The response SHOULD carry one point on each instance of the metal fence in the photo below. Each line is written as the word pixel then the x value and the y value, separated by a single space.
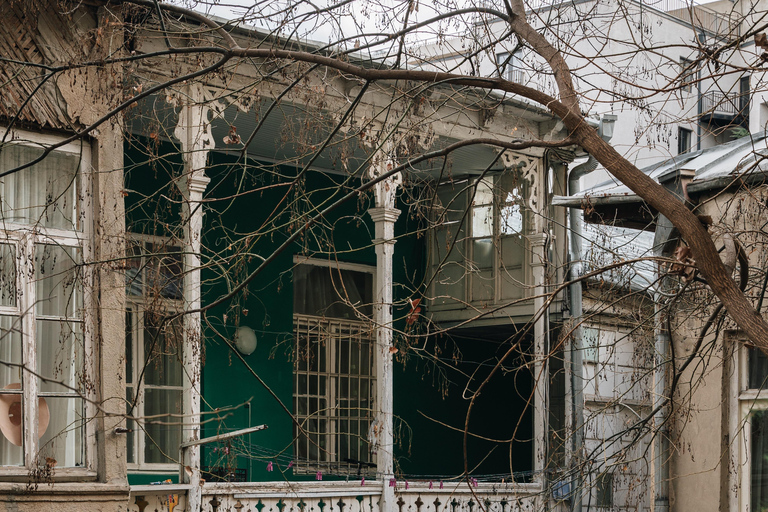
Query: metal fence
pixel 714 102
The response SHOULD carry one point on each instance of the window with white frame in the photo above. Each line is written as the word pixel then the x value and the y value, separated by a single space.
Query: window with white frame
pixel 43 375
pixel 497 238
pixel 478 247
pixel 510 66
pixel 153 352
pixel 334 381
pixel 687 74
pixel 684 137
pixel 754 411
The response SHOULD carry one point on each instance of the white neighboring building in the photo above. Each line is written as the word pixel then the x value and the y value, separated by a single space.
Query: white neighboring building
pixel 602 42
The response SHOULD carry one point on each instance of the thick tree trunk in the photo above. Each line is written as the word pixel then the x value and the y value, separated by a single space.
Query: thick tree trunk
pixel 705 253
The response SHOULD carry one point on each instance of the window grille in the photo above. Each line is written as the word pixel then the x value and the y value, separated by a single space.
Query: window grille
pixel 334 394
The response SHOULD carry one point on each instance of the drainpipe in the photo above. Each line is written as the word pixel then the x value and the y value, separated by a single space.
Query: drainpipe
pixel 577 350
pixel 664 243
pixel 702 39
pixel 577 384
pixel 661 444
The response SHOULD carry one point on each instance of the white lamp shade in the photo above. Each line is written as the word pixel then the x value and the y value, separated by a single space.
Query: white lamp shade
pixel 245 340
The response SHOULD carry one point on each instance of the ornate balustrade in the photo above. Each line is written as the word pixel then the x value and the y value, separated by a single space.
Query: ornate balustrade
pixel 419 496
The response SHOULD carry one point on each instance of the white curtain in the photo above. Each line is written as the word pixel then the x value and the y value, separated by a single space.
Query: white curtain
pixel 41 194
pixel 60 350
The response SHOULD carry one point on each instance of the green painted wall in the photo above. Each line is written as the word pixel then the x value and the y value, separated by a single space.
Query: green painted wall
pixel 227 381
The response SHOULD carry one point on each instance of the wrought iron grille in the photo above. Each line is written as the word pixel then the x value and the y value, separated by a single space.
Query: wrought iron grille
pixel 334 394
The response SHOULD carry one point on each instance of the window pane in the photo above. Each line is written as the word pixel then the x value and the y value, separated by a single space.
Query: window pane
pixel 604 490
pixel 482 221
pixel 330 292
pixel 59 355
pixel 10 350
pixel 162 351
pixel 62 441
pixel 11 445
pixel 482 252
pixel 759 460
pixel 164 431
pixel 758 368
pixel 511 220
pixel 164 277
pixel 590 337
pixel 57 281
pixel 7 275
pixel 44 194
pixel 130 425
pixel 484 192
pixel 511 190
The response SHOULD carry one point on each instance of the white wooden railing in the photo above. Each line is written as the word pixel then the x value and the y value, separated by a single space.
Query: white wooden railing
pixel 357 497
pixel 421 496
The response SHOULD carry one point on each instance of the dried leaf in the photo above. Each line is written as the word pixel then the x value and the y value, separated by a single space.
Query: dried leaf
pixel 761 40
pixel 684 264
pixel 233 137
pixel 414 313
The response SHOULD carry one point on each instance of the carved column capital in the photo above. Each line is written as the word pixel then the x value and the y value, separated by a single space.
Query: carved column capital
pixel 384 191
pixel 538 239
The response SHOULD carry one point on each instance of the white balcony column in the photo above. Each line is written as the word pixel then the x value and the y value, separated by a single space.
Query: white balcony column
pixel 384 216
pixel 538 243
pixel 194 132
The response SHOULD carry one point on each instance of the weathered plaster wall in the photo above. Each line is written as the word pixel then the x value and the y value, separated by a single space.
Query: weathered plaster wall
pixel 710 441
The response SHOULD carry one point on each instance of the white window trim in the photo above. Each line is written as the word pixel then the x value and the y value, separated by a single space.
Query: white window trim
pixel 748 401
pixel 137 306
pixel 497 266
pixel 512 70
pixel 19 234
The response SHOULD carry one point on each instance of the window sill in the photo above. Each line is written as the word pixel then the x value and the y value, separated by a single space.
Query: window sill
pixel 149 469
pixel 753 394
pixel 612 400
pixel 138 490
pixel 21 474
pixel 57 487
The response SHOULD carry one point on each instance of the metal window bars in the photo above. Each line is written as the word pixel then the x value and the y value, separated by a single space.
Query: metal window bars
pixel 334 395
